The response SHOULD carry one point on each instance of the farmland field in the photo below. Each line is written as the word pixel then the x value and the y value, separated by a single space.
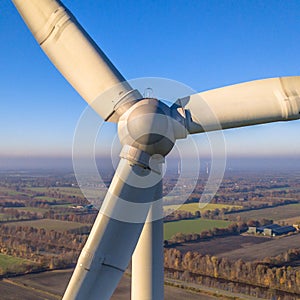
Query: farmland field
pixel 248 248
pixel 32 209
pixel 192 207
pixel 291 221
pixel 271 247
pixel 3 217
pixel 68 191
pixel 274 213
pixel 63 205
pixel 192 226
pixel 49 224
pixel 51 286
pixel 7 262
pixel 41 209
pixel 46 198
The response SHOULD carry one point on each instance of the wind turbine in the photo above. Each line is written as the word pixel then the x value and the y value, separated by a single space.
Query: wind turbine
pixel 148 130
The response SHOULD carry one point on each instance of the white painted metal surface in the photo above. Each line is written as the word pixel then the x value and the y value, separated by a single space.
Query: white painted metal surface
pixel 147 281
pixel 111 242
pixel 249 103
pixel 74 53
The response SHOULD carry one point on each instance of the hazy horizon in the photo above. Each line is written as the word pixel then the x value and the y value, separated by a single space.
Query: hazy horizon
pixel 232 163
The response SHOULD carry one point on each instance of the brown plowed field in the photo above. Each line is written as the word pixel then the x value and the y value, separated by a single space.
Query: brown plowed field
pixel 51 285
pixel 246 247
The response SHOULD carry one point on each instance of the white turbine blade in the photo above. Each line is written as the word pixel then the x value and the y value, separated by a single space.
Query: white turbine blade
pixel 249 103
pixel 112 240
pixel 74 53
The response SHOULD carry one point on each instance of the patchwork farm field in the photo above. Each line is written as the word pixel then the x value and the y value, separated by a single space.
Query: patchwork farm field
pixel 193 207
pixel 4 217
pixel 258 251
pixel 49 224
pixel 46 198
pixel 274 213
pixel 67 191
pixel 51 286
pixel 32 209
pixel 246 247
pixel 13 264
pixel 7 262
pixel 192 226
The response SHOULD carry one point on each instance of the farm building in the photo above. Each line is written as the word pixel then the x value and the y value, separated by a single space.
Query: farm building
pixel 252 229
pixel 272 230
pixel 266 229
pixel 283 230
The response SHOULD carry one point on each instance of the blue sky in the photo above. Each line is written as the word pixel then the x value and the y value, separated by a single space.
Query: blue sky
pixel 204 44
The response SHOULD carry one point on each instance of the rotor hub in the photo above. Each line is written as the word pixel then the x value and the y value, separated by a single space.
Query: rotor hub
pixel 148 126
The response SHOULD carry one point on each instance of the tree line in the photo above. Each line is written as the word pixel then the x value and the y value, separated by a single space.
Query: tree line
pixel 47 248
pixel 195 267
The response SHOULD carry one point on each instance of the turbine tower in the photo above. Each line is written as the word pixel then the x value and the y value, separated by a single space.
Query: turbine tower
pixel 148 130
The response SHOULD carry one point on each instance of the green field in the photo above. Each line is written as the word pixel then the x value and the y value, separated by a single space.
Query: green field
pixel 3 217
pixel 43 210
pixel 273 213
pixel 13 264
pixel 46 198
pixel 192 207
pixel 32 209
pixel 63 205
pixel 7 217
pixel 7 261
pixel 68 191
pixel 49 224
pixel 192 226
